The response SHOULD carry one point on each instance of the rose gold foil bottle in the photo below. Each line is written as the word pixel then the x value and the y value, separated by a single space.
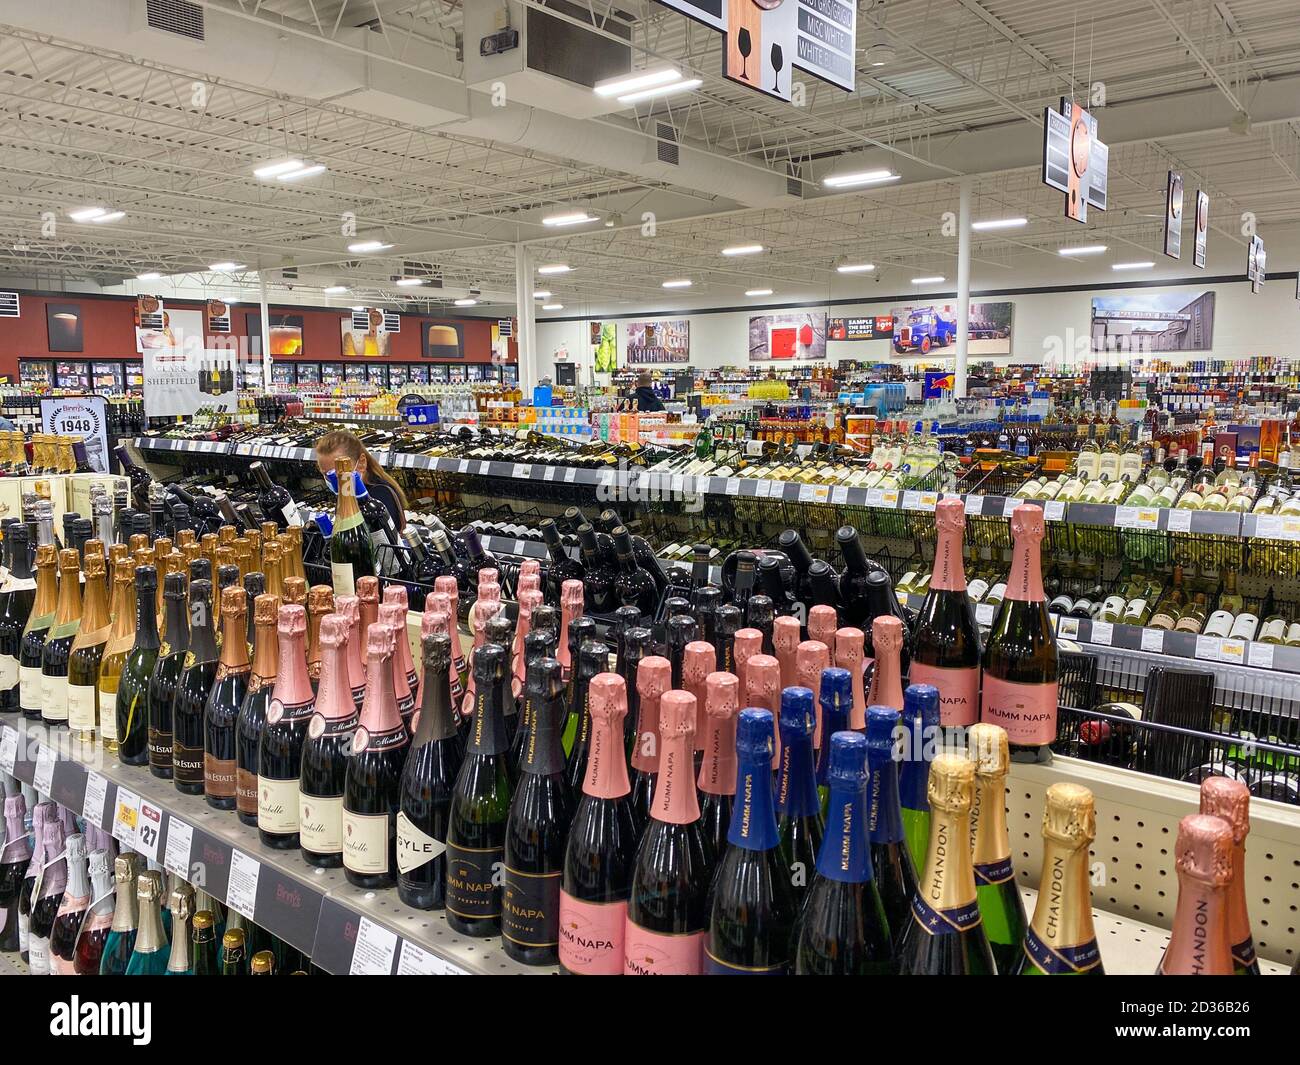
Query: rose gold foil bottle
pixel 395 595
pixel 747 643
pixel 528 599
pixel 849 655
pixel 480 613
pixel 1198 940
pixel 441 603
pixel 698 661
pixel 654 676
pixel 394 616
pixel 717 775
pixel 349 607
pixel 570 610
pixel 368 596
pixel 785 641
pixel 887 677
pixel 812 657
pixel 320 601
pixel 822 623
pixel 1230 800
pixel 763 690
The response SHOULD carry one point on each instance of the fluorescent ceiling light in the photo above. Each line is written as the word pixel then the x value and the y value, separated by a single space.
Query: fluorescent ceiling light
pixel 111 216
pixel 152 275
pixel 368 245
pixel 927 280
pixel 270 170
pixel 305 172
pixel 680 282
pixel 856 268
pixel 225 268
pixel 408 282
pixel 743 249
pixel 860 177
pixel 647 79
pixel 85 214
pixel 542 294
pixel 661 90
pixel 553 307
pixel 554 268
pixel 334 290
pixel 1083 249
pixel 758 292
pixel 574 218
pixel 1131 266
pixel 1000 223
pixel 467 302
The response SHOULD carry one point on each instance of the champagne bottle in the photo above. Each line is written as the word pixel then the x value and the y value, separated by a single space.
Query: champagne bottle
pixel 221 712
pixel 835 690
pixel 946 645
pixel 58 642
pixel 698 661
pixel 812 659
pixel 15 857
pixel 18 599
pixel 799 811
pixel 1001 908
pixel 203 945
pixel 325 750
pixel 395 595
pixel 288 716
pixel 251 721
pixel 887 677
pixel 72 909
pixel 175 643
pixel 667 912
pixel 94 929
pixel 352 554
pixel 320 601
pixel 47 895
pixel 234 953
pixel 394 616
pixel 591 660
pixel 537 826
pixel 198 671
pixel 372 784
pixel 653 679
pixel 120 943
pixel 1019 690
pixel 849 644
pixel 921 722
pixel 37 630
pixel 843 928
pixel 717 775
pixel 1061 940
pixel 1230 800
pixel 132 702
pixel 601 847
pixel 42 812
pixel 180 904
pixel 946 936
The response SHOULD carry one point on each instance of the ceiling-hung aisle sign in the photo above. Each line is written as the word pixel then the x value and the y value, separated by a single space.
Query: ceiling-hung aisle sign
pixel 1074 160
pixel 1202 228
pixel 1174 215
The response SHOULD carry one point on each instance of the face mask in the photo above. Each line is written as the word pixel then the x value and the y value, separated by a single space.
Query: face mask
pixel 332 479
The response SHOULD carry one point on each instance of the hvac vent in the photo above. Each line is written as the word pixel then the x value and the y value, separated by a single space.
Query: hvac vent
pixel 666 144
pixel 289 273
pixel 9 305
pixel 176 16
pixel 794 179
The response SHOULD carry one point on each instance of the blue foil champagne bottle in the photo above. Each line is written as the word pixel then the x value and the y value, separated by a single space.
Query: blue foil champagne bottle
pixel 799 812
pixel 921 719
pixel 890 857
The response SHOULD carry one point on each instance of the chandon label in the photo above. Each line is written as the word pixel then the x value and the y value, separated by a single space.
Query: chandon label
pixel 471 888
pixel 1059 961
pixel 415 847
pixel 320 823
pixel 591 936
pixel 187 764
pixel 530 908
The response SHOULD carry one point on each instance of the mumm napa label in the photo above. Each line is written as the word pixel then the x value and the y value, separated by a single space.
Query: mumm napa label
pixel 472 873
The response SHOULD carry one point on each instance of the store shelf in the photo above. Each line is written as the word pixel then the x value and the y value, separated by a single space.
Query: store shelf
pixel 13 965
pixel 343 929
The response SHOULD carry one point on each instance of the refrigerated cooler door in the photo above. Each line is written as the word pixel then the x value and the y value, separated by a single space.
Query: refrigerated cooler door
pixel 36 373
pixel 107 378
pixel 73 375
pixel 308 373
pixel 282 374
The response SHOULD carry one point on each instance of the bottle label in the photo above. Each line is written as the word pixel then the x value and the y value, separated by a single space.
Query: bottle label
pixel 54 697
pixel 591 936
pixel 1113 604
pixel 320 823
pixel 187 764
pixel 1026 711
pixel 415 847
pixel 81 707
pixel 1061 961
pixel 38 956
pixel 108 714
pixel 219 776
pixel 1134 611
pixel 29 687
pixel 945 922
pixel 976 589
pixel 530 908
pixel 9 673
pixel 365 842
pixel 245 791
pixel 1244 953
pixel 160 748
pixel 471 891
pixel 1274 629
pixel 277 805
pixel 959 691
pixel 341 572
pixel 647 953
pixel 716 967
pixel 1244 627
pixel 998 872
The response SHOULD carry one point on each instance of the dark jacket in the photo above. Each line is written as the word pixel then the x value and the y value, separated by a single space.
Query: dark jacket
pixel 645 399
pixel 385 495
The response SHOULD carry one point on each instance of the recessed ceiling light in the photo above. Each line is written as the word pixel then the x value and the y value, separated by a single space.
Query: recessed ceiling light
pixel 270 170
pixel 85 214
pixel 109 216
pixel 305 172
pixel 1000 223
pixel 542 294
pixel 409 282
pixel 554 268
pixel 935 280
pixel 574 218
pixel 1083 249
pixel 467 302
pixel 647 79
pixel 661 90
pixel 225 268
pixel 856 268
pixel 743 249
pixel 758 292
pixel 334 290
pixel 368 245
pixel 553 307
pixel 1132 266
pixel 151 275
pixel 860 177
pixel 680 282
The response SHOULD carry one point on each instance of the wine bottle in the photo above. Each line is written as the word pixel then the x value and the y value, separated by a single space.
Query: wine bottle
pixel 653 679
pixel 945 643
pixel 119 946
pixel 843 928
pixel 854 599
pixel 599 579
pixel 638 643
pixel 149 958
pixel 500 632
pixel 726 623
pixel 591 660
pixel 352 554
pixel 279 753
pixel 19 598
pixel 58 641
pixel 1230 800
pixel 394 616
pixel 920 723
pixel 537 645
pixel 1001 908
pixel 754 905
pixel 251 720
pixel 667 913
pixel 273 500
pixel 47 895
pixel 882 603
pixel 1061 940
pixel 717 773
pixel 320 601
pixel 198 672
pixel 234 953
pixel 633 586
pixel 372 784
pixel 561 569
pixel 175 643
pixel 945 935
pixel 92 933
pixel 395 595
pixel 325 750
pixel 891 860
pixel 761 615
pixel 42 812
pixel 180 906
pixel 799 810
pixel 221 712
pixel 203 945
pixel 480 805
pixel 132 702
pixel 1019 688
pixel 15 856
pixel 601 846
pixel 785 642
pixel 37 630
pixel 349 606
pixel 835 697
pixel 850 655
pixel 72 909
pixel 886 688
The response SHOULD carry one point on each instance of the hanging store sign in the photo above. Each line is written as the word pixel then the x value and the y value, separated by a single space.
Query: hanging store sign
pixel 83 418
pixel 1202 228
pixel 872 327
pixel 1174 215
pixel 1256 259
pixel 218 313
pixel 149 312
pixel 1074 160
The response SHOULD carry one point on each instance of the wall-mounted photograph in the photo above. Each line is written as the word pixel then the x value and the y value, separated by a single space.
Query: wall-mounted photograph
pixel 63 323
pixel 792 335
pixel 925 327
pixel 1153 321
pixel 659 342
pixel 285 333
pixel 443 340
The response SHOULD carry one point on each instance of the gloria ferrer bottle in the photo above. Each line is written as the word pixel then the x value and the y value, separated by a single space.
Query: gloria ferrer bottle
pixel 920 722
pixel 799 811
pixel 352 554
pixel 1019 688
pixel 198 670
pixel 945 643
pixel 325 751
pixel 1001 908
pixel 221 712
pixel 288 716
pixel 843 929
pixel 1230 800
pixel 891 860
pixel 601 847
pixel 946 936
pixel 1061 941
pixel 58 643
pixel 1198 941
pixel 753 902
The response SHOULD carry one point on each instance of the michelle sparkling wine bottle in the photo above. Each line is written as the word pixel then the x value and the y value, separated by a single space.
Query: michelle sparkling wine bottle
pixel 799 810
pixel 653 680
pixel 1199 941
pixel 945 642
pixel 717 776
pixel 945 936
pixel 753 907
pixel 325 751
pixel 1061 940
pixel 1019 688
pixel 1001 907
pixel 891 859
pixel 920 738
pixel 600 848
pixel 843 929
pixel 288 716
pixel 1230 800
pixel 667 912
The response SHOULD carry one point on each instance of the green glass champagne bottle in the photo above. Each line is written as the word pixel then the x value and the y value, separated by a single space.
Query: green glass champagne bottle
pixel 120 944
pixel 203 945
pixel 1001 907
pixel 132 705
pixel 921 722
pixel 181 905
pixel 149 958
pixel 352 554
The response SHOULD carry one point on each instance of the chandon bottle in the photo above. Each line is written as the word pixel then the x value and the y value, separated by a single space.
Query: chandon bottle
pixel 37 629
pixel 46 896
pixel 717 775
pixel 120 942
pixel 480 806
pixel 288 716
pixel 653 679
pixel 372 786
pixel 253 710
pixel 667 911
pixel 325 751
pixel 1230 799
pixel 15 856
pixel 221 713
pixel 891 860
pixel 1001 908
pixel 920 723
pixel 132 705
pixel 753 908
pixel 198 671
pixel 151 947
pixel 1020 659
pixel 428 779
pixel 945 935
pixel 166 674
pixel 1061 940
pixel 799 811
pixel 352 554
pixel 945 643
pixel 58 642
pixel 601 846
pixel 537 827
pixel 1199 940
pixel 18 599
pixel 93 931
pixel 72 909
pixel 843 929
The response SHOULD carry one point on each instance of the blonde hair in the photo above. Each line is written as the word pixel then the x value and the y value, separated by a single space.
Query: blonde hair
pixel 341 442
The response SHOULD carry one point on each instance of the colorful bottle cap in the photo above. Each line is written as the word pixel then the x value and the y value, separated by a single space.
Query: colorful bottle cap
pixel 848 762
pixel 654 676
pixel 1204 849
pixel 292 620
pixel 754 735
pixel 836 685
pixel 677 714
pixel 607 700
pixel 798 715
pixel 921 701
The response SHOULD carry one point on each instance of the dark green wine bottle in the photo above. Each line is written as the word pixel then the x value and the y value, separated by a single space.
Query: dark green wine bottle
pixel 1001 908
pixel 133 688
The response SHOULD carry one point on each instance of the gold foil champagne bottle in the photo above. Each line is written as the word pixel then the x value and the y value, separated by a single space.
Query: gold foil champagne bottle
pixel 88 647
pixel 1001 908
pixel 121 638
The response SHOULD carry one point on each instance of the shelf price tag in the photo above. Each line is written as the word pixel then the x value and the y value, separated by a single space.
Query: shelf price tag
pixel 813 493
pixel 1102 633
pixel 1054 510
pixel 1277 527
pixel 374 950
pixel 462 466
pixel 974 505
pixel 43 776
pixel 1068 628
pixel 1180 521
pixel 241 890
pixel 550 473
pixel 416 961
pixel 1232 651
pixel 1207 647
pixel 522 470
pixel 911 500
pixel 148 833
pixel 985 613
pixel 1153 640
pixel 126 816
pixel 1137 518
pixel 875 497
pixel 840 494
pixel 92 806
pixel 176 856
pixel 517 548
pixel 732 487
pixel 1261 655
pixel 8 749
pixel 1009 504
pixel 570 474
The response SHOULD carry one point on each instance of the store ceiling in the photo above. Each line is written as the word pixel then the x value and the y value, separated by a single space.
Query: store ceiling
pixel 95 110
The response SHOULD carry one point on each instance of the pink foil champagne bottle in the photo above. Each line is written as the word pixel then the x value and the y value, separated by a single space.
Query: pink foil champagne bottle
pixel 1198 941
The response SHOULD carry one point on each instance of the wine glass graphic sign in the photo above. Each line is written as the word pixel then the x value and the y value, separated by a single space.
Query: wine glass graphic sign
pixel 745 45
pixel 778 61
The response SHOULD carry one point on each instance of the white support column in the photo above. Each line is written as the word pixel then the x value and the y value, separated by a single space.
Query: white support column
pixel 526 316
pixel 265 316
pixel 963 289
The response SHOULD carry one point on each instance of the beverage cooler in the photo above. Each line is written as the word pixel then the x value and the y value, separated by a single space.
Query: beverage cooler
pixel 354 372
pixel 282 374
pixel 36 374
pixel 331 374
pixel 309 373
pixel 377 374
pixel 107 378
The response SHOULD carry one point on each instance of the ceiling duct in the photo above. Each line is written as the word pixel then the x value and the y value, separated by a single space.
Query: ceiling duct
pixel 176 16
pixel 666 147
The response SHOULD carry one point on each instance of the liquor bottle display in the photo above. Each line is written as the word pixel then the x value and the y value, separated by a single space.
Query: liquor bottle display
pixel 221 712
pixel 1001 908
pixel 58 642
pixel 16 604
pixel 175 644
pixel 198 672
pixel 325 750
pixel 36 631
pixel 288 715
